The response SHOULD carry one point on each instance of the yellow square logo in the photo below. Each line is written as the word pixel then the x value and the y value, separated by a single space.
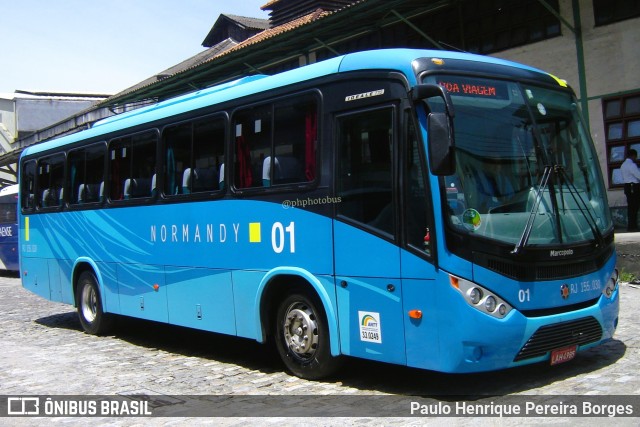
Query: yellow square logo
pixel 254 232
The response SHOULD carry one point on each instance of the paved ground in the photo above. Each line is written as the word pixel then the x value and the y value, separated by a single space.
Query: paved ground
pixel 628 248
pixel 44 351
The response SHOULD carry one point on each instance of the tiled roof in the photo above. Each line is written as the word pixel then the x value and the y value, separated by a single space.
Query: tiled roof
pixel 192 62
pixel 272 32
pixel 255 23
pixel 269 4
pixel 224 48
pixel 210 56
pixel 245 24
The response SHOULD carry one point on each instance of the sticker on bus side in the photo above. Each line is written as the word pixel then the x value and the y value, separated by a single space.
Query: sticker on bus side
pixel 370 326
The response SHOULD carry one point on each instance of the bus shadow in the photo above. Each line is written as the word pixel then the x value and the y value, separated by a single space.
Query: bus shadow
pixel 416 382
pixel 10 274
pixel 247 353
pixel 180 340
pixel 61 321
pixel 356 373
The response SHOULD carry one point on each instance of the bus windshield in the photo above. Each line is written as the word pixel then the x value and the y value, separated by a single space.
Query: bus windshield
pixel 526 170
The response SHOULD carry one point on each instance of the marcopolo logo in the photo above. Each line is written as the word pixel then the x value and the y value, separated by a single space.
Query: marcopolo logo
pixel 563 252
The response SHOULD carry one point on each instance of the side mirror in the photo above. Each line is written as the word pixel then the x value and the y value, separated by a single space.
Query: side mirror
pixel 422 92
pixel 440 135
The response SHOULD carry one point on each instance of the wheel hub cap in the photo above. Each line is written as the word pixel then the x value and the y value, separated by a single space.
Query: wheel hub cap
pixel 301 330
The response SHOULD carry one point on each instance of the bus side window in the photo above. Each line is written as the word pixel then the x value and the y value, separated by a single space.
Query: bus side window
pixel 50 181
pixel 86 175
pixel 295 142
pixel 252 132
pixel 194 155
pixel 276 144
pixel 119 167
pixel 177 156
pixel 133 166
pixel 416 202
pixel 8 212
pixel 365 168
pixel 28 185
pixel 208 154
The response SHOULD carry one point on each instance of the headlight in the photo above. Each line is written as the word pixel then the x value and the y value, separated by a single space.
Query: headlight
pixel 612 284
pixel 475 295
pixel 490 304
pixel 480 298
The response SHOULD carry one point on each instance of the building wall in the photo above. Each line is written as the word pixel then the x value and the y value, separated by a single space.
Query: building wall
pixel 36 114
pixel 7 115
pixel 26 116
pixel 611 64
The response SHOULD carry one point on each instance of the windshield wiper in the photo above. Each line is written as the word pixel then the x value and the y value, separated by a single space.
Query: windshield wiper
pixel 582 206
pixel 526 233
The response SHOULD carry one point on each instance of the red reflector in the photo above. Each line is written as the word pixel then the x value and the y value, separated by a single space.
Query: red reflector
pixel 415 314
pixel 156 287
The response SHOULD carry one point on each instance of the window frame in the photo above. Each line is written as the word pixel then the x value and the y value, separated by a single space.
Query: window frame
pixel 32 205
pixel 394 108
pixel 619 145
pixel 39 190
pixel 410 125
pixel 606 12
pixel 313 96
pixel 102 145
pixel 221 116
pixel 109 171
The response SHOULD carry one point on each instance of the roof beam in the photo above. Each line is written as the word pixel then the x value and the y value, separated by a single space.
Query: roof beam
pixel 557 15
pixel 251 67
pixel 326 46
pixel 416 29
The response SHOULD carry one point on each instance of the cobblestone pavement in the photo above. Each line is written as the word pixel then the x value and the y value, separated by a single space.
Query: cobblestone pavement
pixel 628 251
pixel 44 352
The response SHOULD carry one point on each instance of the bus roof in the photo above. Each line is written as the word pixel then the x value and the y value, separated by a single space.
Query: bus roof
pixel 12 189
pixel 384 59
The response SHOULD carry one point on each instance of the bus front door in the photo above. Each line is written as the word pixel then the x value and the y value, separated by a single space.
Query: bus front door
pixel 369 293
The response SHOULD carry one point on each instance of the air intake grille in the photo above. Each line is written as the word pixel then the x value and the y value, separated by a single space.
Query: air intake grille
pixel 541 272
pixel 534 269
pixel 551 337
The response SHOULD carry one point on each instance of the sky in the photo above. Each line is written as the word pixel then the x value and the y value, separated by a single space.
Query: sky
pixel 102 46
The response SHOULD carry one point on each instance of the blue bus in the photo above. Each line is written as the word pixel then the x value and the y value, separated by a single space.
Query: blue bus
pixel 9 228
pixel 438 210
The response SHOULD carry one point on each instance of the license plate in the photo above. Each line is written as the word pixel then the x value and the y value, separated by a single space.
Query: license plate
pixel 562 355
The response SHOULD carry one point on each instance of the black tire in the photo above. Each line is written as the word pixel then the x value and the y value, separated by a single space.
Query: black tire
pixel 302 337
pixel 93 319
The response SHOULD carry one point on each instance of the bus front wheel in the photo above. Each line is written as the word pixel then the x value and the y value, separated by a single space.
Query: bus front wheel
pixel 93 319
pixel 302 337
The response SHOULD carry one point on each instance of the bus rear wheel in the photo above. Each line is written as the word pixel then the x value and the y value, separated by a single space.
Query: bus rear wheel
pixel 93 319
pixel 302 337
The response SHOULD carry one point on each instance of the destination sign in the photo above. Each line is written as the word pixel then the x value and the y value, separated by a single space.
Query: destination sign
pixel 462 86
